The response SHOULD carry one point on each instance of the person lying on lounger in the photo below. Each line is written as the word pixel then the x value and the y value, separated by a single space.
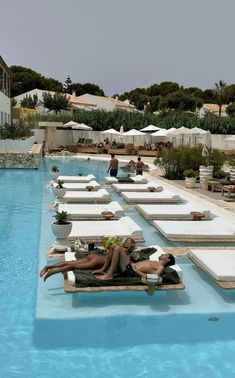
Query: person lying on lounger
pixel 92 261
pixel 118 259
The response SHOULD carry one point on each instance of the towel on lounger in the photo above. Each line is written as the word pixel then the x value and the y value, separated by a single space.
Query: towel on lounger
pixel 125 179
pixel 87 279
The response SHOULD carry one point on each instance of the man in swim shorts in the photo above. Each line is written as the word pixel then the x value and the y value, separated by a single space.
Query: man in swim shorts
pixel 118 258
pixel 113 166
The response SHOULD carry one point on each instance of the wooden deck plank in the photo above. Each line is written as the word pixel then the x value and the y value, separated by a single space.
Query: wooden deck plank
pixel 73 289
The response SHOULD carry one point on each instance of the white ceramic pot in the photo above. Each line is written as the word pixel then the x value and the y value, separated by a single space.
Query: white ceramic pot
pixel 61 231
pixel 59 192
pixel 232 173
pixel 190 182
pixel 54 175
pixel 205 174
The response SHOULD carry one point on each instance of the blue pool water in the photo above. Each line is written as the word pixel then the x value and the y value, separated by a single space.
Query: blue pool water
pixel 47 333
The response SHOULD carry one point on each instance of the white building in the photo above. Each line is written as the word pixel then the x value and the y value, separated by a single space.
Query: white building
pixel 212 108
pixel 108 103
pixel 5 101
pixel 74 102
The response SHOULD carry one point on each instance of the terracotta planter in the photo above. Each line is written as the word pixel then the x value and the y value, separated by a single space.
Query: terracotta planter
pixel 61 231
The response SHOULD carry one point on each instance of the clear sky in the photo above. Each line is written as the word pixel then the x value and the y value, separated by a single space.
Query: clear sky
pixel 124 44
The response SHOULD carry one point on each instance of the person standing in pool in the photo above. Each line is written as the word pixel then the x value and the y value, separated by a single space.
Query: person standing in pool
pixel 139 166
pixel 113 166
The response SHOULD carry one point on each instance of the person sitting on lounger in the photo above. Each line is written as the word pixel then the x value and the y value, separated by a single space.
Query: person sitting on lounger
pixel 118 259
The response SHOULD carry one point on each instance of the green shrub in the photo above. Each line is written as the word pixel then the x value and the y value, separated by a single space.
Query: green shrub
pixel 174 161
pixel 190 173
pixel 219 173
pixel 15 131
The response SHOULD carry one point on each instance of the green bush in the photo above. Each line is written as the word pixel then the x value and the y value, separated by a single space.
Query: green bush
pixel 190 173
pixel 219 173
pixel 174 161
pixel 15 131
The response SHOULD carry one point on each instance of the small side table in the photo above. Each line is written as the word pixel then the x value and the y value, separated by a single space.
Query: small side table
pixel 230 189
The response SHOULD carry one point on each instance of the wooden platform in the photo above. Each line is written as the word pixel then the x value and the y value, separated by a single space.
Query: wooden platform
pixel 68 288
pixel 228 285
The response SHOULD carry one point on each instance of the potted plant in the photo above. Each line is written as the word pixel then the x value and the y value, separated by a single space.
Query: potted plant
pixel 55 172
pixel 62 226
pixel 58 190
pixel 190 178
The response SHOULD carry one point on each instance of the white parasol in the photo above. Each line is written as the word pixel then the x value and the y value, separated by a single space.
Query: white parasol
pixel 150 129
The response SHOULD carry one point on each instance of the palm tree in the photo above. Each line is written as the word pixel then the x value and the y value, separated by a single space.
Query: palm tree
pixel 221 94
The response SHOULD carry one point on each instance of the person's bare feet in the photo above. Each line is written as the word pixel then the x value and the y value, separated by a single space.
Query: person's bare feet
pixel 105 277
pixel 48 274
pixel 43 271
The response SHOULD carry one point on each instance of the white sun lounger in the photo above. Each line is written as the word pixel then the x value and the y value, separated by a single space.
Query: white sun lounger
pixel 98 196
pixel 137 187
pixel 92 211
pixel 139 179
pixel 79 185
pixel 87 178
pixel 218 264
pixel 95 230
pixel 165 196
pixel 174 212
pixel 215 230
pixel 70 256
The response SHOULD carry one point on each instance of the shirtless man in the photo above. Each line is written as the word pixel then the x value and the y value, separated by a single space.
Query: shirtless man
pixel 139 166
pixel 117 258
pixel 92 261
pixel 113 166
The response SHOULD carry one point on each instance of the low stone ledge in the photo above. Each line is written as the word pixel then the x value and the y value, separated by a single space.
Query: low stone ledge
pixel 26 160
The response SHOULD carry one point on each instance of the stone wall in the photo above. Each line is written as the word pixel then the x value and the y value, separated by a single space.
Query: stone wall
pixel 30 160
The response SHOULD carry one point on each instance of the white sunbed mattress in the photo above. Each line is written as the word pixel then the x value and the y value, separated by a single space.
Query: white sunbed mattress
pixel 165 196
pixel 101 196
pixel 79 185
pixel 126 187
pixel 89 211
pixel 87 178
pixel 139 179
pixel 218 263
pixel 96 230
pixel 70 256
pixel 179 211
pixel 211 230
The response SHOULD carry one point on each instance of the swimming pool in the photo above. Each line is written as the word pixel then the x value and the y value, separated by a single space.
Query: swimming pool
pixel 122 334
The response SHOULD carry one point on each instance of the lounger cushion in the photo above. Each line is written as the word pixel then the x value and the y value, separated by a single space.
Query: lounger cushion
pixel 151 197
pixel 69 256
pixel 87 178
pixel 96 230
pixel 92 210
pixel 84 196
pixel 217 228
pixel 219 263
pixel 137 187
pixel 79 185
pixel 135 179
pixel 171 211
